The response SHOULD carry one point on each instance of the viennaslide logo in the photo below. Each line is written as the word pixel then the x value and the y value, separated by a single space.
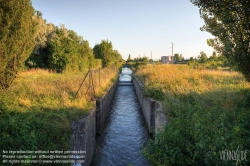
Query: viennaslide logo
pixel 234 155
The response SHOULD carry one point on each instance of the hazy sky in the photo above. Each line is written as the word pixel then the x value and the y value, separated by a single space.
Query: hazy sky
pixel 134 27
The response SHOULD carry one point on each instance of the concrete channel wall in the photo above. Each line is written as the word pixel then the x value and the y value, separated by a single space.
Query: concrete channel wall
pixel 84 130
pixel 103 107
pixel 151 109
pixel 83 137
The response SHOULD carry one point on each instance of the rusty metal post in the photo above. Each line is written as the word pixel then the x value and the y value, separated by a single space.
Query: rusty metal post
pixel 90 88
pixel 81 84
pixel 99 77
pixel 105 72
pixel 93 86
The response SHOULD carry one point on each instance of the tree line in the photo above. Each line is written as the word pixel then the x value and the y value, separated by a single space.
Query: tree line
pixel 212 62
pixel 28 41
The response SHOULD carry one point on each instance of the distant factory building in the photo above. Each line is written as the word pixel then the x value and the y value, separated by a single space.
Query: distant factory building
pixel 168 59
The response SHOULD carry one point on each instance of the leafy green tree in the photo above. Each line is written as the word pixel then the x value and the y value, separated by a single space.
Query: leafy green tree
pixel 70 45
pixel 202 58
pixel 117 56
pixel 137 62
pixel 87 59
pixel 178 57
pixel 60 49
pixel 57 59
pixel 97 51
pixel 144 60
pixel 17 33
pixel 229 21
pixel 39 56
pixel 104 51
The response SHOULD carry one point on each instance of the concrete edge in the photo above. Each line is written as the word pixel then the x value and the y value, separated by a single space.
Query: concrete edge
pixel 103 106
pixel 84 130
pixel 83 138
pixel 151 109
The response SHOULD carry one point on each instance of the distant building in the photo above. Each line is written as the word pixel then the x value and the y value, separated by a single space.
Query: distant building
pixel 168 59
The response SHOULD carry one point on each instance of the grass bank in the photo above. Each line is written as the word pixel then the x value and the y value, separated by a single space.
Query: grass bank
pixel 208 112
pixel 37 110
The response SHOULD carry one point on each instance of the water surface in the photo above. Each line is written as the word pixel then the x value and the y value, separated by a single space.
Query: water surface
pixel 125 133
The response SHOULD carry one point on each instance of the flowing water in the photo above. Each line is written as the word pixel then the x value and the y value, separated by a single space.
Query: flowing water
pixel 125 133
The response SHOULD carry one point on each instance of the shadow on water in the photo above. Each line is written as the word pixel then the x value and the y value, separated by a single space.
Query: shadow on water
pixel 125 132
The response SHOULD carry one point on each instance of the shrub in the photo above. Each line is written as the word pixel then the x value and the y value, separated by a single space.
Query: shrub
pixel 207 112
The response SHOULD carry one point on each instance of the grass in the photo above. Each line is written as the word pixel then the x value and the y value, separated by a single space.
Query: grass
pixel 208 111
pixel 37 110
pixel 182 79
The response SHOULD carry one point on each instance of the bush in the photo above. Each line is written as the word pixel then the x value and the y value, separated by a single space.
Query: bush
pixel 207 112
pixel 197 132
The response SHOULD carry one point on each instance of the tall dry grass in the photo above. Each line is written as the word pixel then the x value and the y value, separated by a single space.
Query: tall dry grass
pixel 41 88
pixel 37 110
pixel 184 79
pixel 207 111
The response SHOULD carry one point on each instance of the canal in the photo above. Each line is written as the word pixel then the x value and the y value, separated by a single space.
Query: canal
pixel 125 132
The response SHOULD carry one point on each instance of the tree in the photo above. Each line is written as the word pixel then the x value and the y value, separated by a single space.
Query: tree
pixel 213 57
pixel 202 57
pixel 229 21
pixel 117 56
pixel 104 51
pixel 86 56
pixel 60 49
pixel 39 56
pixel 58 58
pixel 144 60
pixel 129 59
pixel 178 57
pixel 17 32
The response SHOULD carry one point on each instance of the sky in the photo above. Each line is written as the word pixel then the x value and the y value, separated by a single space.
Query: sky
pixel 135 27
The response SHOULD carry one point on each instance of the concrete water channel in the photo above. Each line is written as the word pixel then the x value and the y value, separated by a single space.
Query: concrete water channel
pixel 125 132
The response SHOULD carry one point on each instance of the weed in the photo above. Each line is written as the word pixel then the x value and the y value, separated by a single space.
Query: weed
pixel 208 111
pixel 37 110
